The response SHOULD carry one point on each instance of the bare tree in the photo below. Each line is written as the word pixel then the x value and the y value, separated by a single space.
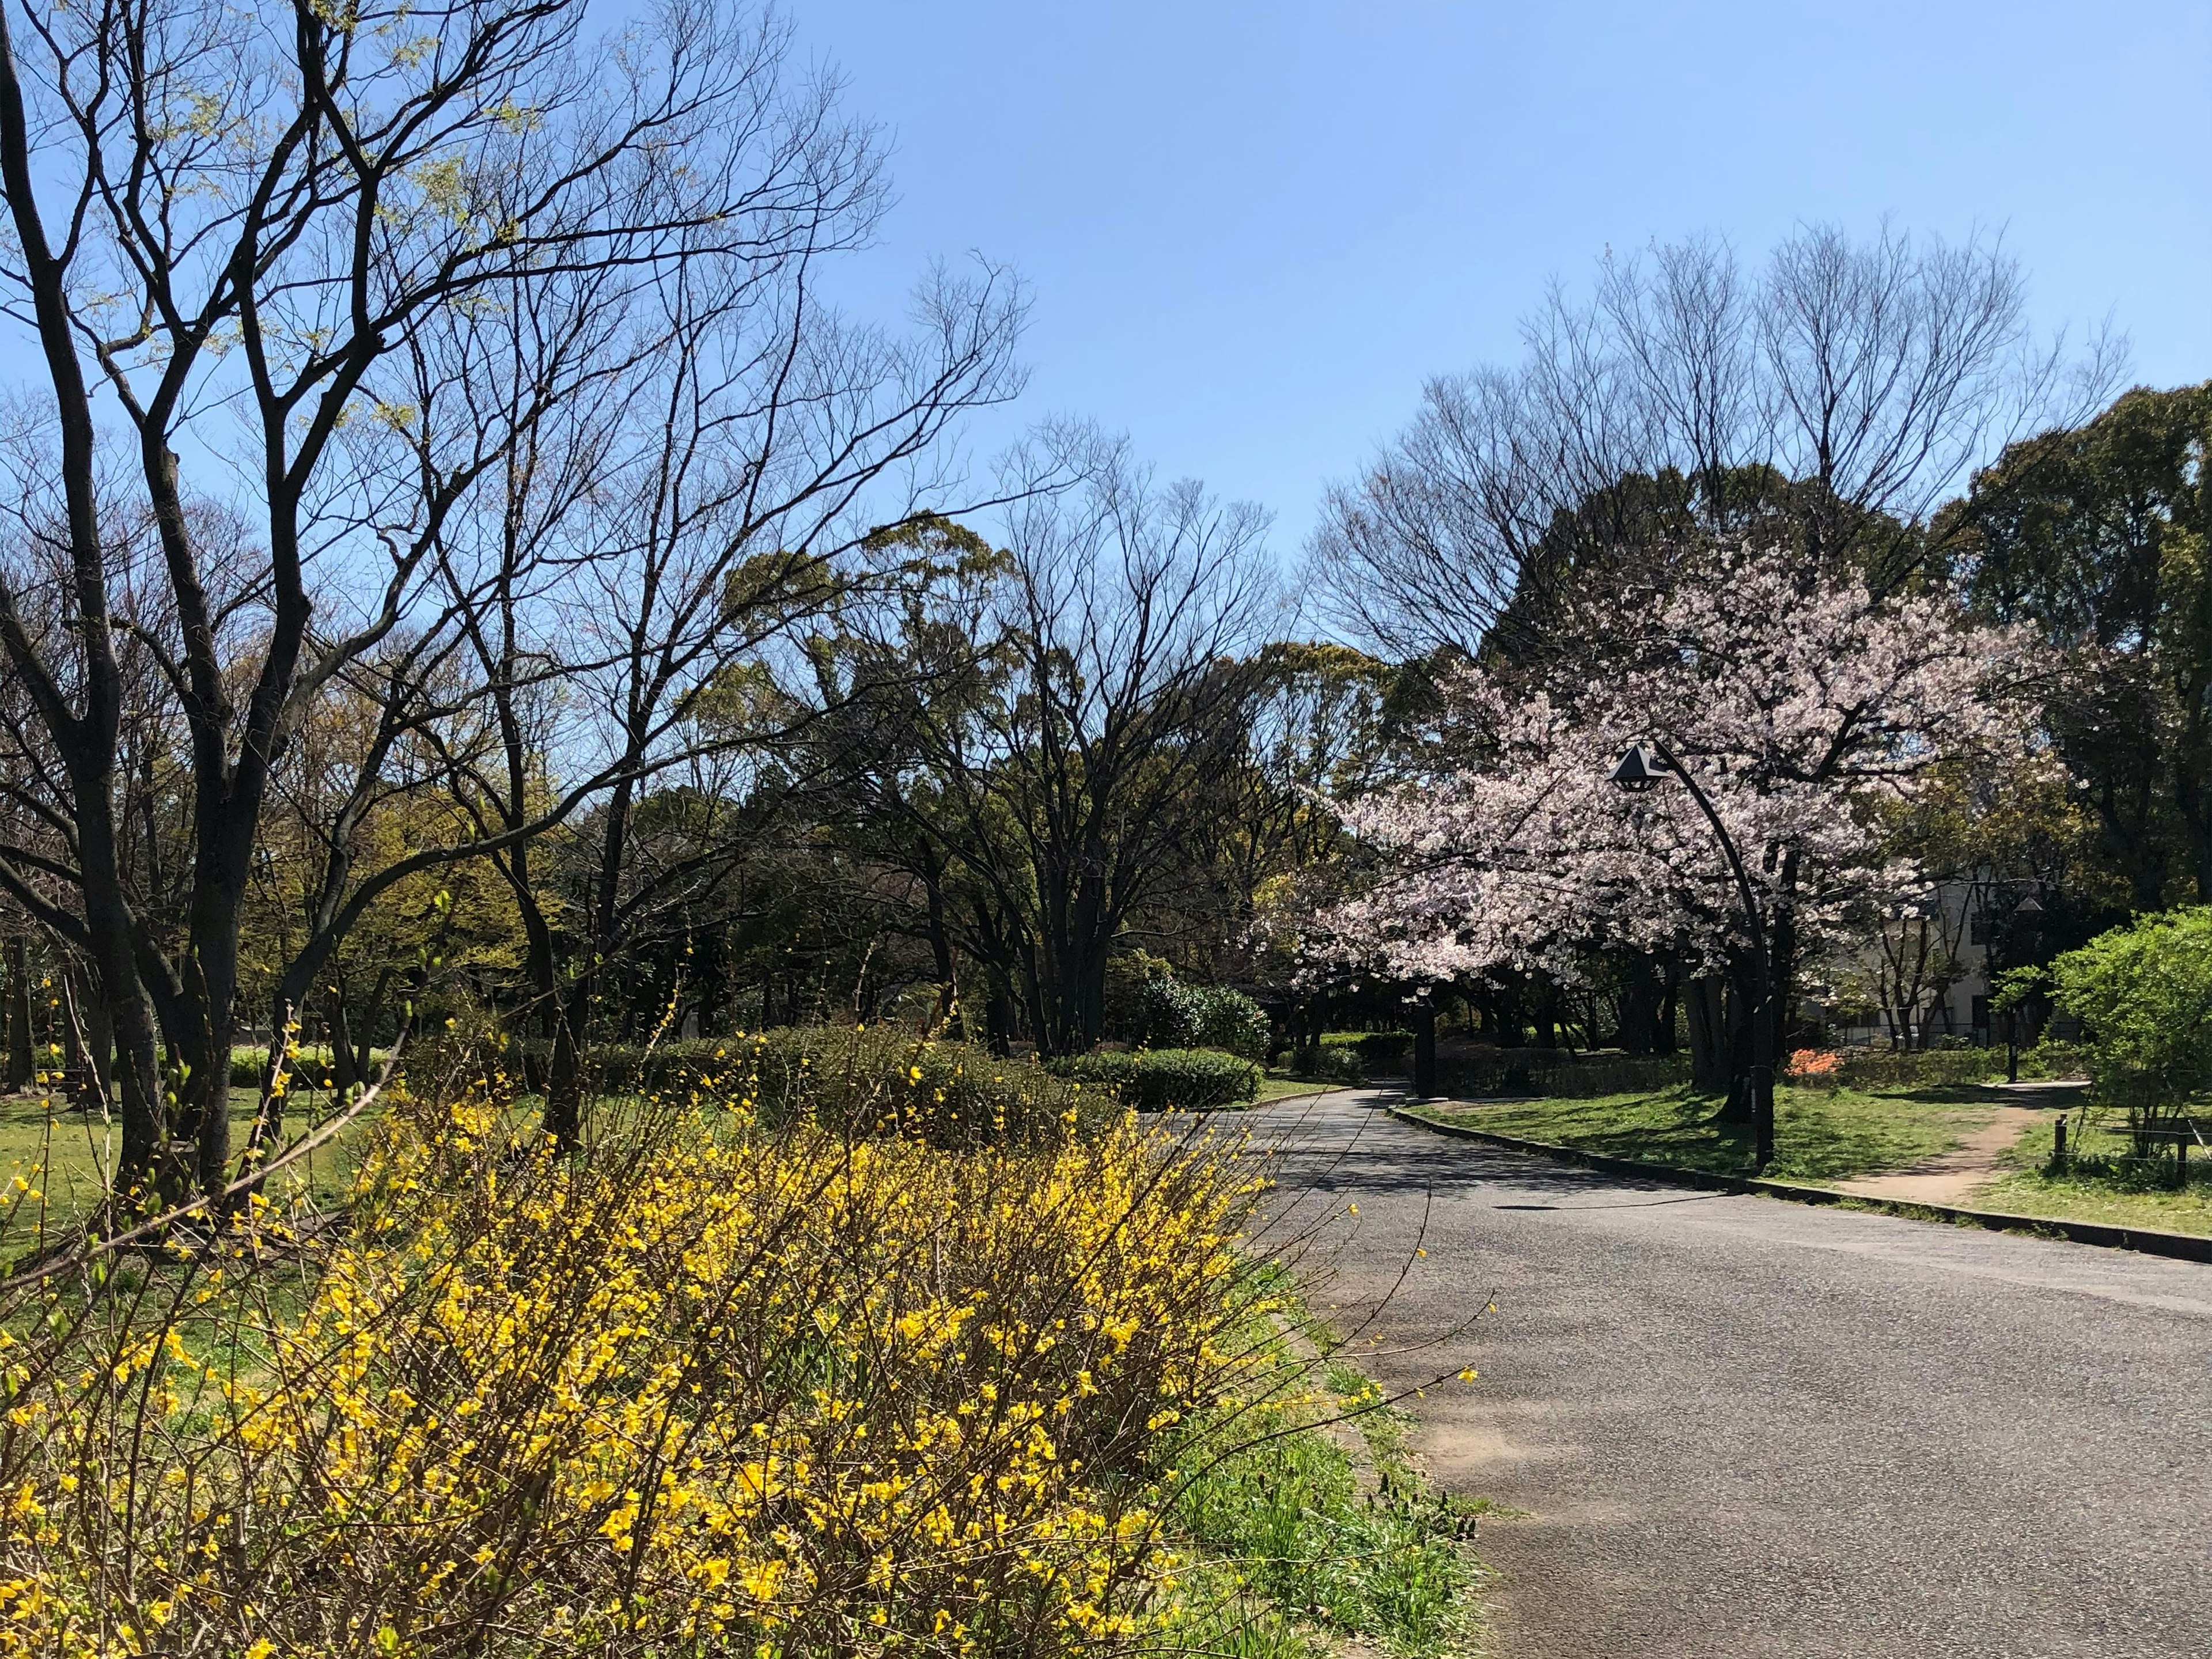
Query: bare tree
pixel 1849 386
pixel 1043 744
pixel 278 254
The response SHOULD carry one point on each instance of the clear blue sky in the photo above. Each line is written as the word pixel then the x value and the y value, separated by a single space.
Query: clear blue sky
pixel 1252 230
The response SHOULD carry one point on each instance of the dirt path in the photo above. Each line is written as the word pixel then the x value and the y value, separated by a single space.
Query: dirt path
pixel 1953 1177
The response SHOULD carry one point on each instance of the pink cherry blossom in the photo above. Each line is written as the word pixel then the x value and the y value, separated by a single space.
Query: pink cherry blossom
pixel 1795 701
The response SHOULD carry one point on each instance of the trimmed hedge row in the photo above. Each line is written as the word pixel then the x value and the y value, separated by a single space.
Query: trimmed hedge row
pixel 881 1078
pixel 1327 1062
pixel 1927 1068
pixel 1166 1079
pixel 1545 1072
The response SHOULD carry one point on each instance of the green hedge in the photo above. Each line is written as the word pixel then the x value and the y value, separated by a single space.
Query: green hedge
pixel 1554 1074
pixel 881 1078
pixel 1175 1013
pixel 1166 1079
pixel 249 1064
pixel 1327 1062
pixel 1927 1068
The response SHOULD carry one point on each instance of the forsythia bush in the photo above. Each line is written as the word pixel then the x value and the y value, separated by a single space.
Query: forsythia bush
pixel 708 1389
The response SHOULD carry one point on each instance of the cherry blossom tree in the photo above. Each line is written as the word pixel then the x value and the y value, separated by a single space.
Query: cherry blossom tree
pixel 1789 703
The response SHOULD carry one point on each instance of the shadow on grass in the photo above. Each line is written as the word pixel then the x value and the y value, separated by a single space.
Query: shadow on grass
pixel 1820 1134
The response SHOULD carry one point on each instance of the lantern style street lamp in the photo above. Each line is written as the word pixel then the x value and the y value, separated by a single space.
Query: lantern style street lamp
pixel 1639 772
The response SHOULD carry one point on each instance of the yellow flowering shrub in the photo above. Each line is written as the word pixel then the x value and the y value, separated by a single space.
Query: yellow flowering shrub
pixel 707 1389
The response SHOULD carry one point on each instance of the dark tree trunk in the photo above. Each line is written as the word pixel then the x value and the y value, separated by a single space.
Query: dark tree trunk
pixel 1743 1009
pixel 1640 1002
pixel 564 1087
pixel 1706 1002
pixel 999 1019
pixel 1547 1017
pixel 1424 1051
pixel 99 1033
pixel 946 1016
pixel 22 1063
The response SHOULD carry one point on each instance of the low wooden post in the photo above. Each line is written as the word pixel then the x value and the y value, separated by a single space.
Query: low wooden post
pixel 2058 1143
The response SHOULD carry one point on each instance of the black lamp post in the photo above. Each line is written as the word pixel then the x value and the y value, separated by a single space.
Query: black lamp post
pixel 1638 773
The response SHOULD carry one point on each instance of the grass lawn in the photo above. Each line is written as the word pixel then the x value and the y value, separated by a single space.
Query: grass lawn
pixel 71 1153
pixel 2100 1186
pixel 1318 1537
pixel 1276 1088
pixel 1819 1134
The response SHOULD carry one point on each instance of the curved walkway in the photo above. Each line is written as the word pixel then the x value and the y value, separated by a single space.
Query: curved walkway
pixel 1736 1426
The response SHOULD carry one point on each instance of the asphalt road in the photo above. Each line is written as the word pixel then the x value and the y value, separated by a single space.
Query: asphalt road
pixel 1741 1426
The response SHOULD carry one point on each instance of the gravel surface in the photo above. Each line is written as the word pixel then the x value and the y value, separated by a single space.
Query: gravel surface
pixel 1740 1426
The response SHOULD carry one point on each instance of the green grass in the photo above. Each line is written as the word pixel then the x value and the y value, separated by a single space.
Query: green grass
pixel 64 1154
pixel 1311 1556
pixel 1819 1134
pixel 1300 1545
pixel 2103 1184
pixel 1275 1087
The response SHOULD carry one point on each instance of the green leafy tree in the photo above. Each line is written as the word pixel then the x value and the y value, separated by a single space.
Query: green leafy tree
pixel 2097 536
pixel 2143 994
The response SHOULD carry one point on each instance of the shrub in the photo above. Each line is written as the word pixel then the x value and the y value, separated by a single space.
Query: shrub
pixel 1926 1068
pixel 1813 1068
pixel 1555 1074
pixel 859 1079
pixel 2143 994
pixel 1327 1063
pixel 2053 1059
pixel 1176 1013
pixel 310 1068
pixel 1383 1051
pixel 708 1389
pixel 1166 1079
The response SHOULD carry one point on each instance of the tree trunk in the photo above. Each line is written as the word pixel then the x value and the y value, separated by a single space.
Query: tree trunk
pixel 22 1063
pixel 946 1016
pixel 1708 1025
pixel 342 1075
pixel 1743 1004
pixel 564 1085
pixel 998 1018
pixel 1639 1008
pixel 1424 1051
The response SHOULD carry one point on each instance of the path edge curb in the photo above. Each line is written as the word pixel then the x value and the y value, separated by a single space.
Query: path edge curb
pixel 2148 1241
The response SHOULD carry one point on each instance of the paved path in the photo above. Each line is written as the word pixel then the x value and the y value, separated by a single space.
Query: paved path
pixel 1740 1426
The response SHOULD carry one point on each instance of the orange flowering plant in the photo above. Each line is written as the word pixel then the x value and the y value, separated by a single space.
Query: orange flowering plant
pixel 1807 1064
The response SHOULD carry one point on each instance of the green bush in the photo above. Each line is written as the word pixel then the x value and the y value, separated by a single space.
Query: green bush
pixel 2143 994
pixel 314 1064
pixel 1327 1062
pixel 1166 1079
pixel 1554 1074
pixel 1383 1051
pixel 1175 1013
pixel 1928 1068
pixel 864 1080
pixel 2052 1058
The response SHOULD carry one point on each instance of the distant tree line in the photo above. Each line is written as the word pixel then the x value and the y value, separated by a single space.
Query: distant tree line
pixel 459 566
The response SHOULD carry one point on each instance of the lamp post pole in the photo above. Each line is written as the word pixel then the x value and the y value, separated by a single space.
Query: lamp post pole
pixel 1638 773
